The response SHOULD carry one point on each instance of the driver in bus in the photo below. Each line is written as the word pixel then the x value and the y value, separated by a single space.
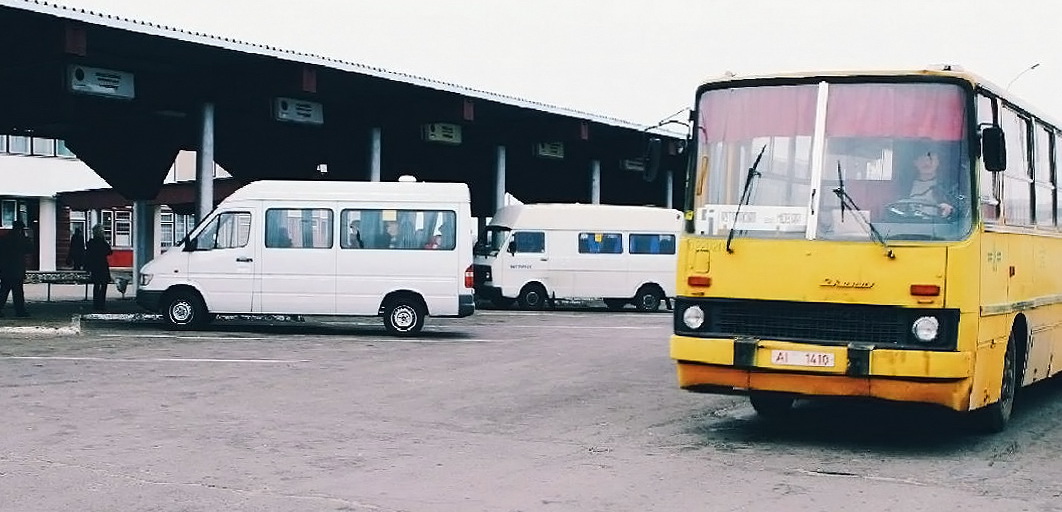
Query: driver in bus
pixel 928 196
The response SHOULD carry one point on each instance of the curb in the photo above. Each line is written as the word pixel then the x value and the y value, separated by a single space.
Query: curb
pixel 73 329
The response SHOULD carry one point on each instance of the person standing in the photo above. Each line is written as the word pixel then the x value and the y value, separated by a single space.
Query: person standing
pixel 96 251
pixel 75 257
pixel 13 250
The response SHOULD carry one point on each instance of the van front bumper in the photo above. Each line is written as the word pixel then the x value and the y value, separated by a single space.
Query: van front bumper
pixel 742 365
pixel 466 305
pixel 149 299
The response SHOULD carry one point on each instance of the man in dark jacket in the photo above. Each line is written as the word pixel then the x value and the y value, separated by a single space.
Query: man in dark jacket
pixel 13 250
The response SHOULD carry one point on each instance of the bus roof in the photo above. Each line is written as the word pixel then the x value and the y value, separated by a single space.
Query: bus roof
pixel 289 190
pixel 579 216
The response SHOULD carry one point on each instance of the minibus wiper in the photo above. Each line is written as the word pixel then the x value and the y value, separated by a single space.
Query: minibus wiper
pixel 849 203
pixel 745 195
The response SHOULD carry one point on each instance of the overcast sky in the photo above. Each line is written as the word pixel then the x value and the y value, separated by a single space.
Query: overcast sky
pixel 639 60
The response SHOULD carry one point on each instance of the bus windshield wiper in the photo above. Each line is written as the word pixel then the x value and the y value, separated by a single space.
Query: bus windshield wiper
pixel 745 195
pixel 848 203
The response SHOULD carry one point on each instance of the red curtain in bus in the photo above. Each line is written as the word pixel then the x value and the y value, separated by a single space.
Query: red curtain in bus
pixel 932 111
pixel 740 114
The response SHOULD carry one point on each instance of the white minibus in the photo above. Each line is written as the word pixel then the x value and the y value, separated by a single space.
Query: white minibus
pixel 534 254
pixel 402 250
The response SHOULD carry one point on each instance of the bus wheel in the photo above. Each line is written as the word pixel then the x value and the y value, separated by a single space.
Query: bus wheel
pixel 770 404
pixel 648 298
pixel 404 316
pixel 184 310
pixel 533 297
pixel 993 418
pixel 615 304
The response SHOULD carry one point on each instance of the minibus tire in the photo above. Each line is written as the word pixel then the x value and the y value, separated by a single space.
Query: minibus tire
pixel 648 299
pixel 533 297
pixel 993 418
pixel 772 405
pixel 184 310
pixel 404 316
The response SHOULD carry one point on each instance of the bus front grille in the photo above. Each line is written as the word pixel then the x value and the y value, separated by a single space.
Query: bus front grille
pixel 814 322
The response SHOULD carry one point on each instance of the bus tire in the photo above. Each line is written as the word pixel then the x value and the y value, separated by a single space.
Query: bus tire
pixel 993 418
pixel 615 304
pixel 648 298
pixel 533 297
pixel 404 316
pixel 184 309
pixel 771 404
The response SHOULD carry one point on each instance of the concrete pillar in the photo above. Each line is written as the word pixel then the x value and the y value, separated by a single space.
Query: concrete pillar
pixel 204 165
pixel 375 150
pixel 499 178
pixel 595 181
pixel 143 239
pixel 47 218
pixel 669 188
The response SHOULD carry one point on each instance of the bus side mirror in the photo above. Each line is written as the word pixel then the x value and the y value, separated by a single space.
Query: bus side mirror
pixel 652 158
pixel 993 148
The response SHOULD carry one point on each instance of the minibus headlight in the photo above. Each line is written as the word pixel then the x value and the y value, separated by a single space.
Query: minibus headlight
pixel 693 317
pixel 145 279
pixel 925 328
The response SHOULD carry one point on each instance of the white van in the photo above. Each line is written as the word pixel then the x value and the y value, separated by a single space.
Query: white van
pixel 402 250
pixel 535 253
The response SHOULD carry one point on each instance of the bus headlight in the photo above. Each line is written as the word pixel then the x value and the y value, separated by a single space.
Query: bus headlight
pixel 925 328
pixel 145 279
pixel 693 317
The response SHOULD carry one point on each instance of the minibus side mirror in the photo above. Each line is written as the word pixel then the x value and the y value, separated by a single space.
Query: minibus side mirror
pixel 993 148
pixel 511 248
pixel 190 244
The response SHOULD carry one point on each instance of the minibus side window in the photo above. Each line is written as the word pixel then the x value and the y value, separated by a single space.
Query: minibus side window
pixel 652 244
pixel 228 230
pixel 529 241
pixel 600 243
pixel 305 228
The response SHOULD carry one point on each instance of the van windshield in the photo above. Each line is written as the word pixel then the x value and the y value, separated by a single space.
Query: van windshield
pixel 492 241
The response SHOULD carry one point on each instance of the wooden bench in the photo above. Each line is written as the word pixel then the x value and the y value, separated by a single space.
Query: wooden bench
pixel 75 277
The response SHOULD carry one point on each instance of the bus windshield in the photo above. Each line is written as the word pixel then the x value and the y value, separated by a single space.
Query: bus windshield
pixel 841 161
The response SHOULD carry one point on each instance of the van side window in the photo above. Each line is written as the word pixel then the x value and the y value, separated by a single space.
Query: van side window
pixel 306 228
pixel 399 229
pixel 529 241
pixel 228 230
pixel 652 244
pixel 600 243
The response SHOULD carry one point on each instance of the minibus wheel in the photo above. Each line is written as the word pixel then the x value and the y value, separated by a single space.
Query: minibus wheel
pixel 648 298
pixel 404 316
pixel 771 404
pixel 184 310
pixel 533 297
pixel 993 418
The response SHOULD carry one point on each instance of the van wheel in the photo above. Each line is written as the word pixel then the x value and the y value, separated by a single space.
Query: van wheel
pixel 533 297
pixel 615 304
pixel 772 405
pixel 185 310
pixel 404 316
pixel 648 299
pixel 993 418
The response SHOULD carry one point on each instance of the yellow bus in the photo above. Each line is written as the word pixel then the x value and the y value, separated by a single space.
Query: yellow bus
pixel 875 234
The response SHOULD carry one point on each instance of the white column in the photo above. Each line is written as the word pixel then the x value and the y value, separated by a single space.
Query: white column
pixel 595 181
pixel 204 165
pixel 46 232
pixel 375 149
pixel 669 188
pixel 499 178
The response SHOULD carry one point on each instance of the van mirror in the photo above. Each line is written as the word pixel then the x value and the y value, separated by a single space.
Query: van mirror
pixel 511 248
pixel 652 158
pixel 190 244
pixel 993 148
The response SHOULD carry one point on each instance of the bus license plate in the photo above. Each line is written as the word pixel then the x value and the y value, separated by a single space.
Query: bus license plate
pixel 802 358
